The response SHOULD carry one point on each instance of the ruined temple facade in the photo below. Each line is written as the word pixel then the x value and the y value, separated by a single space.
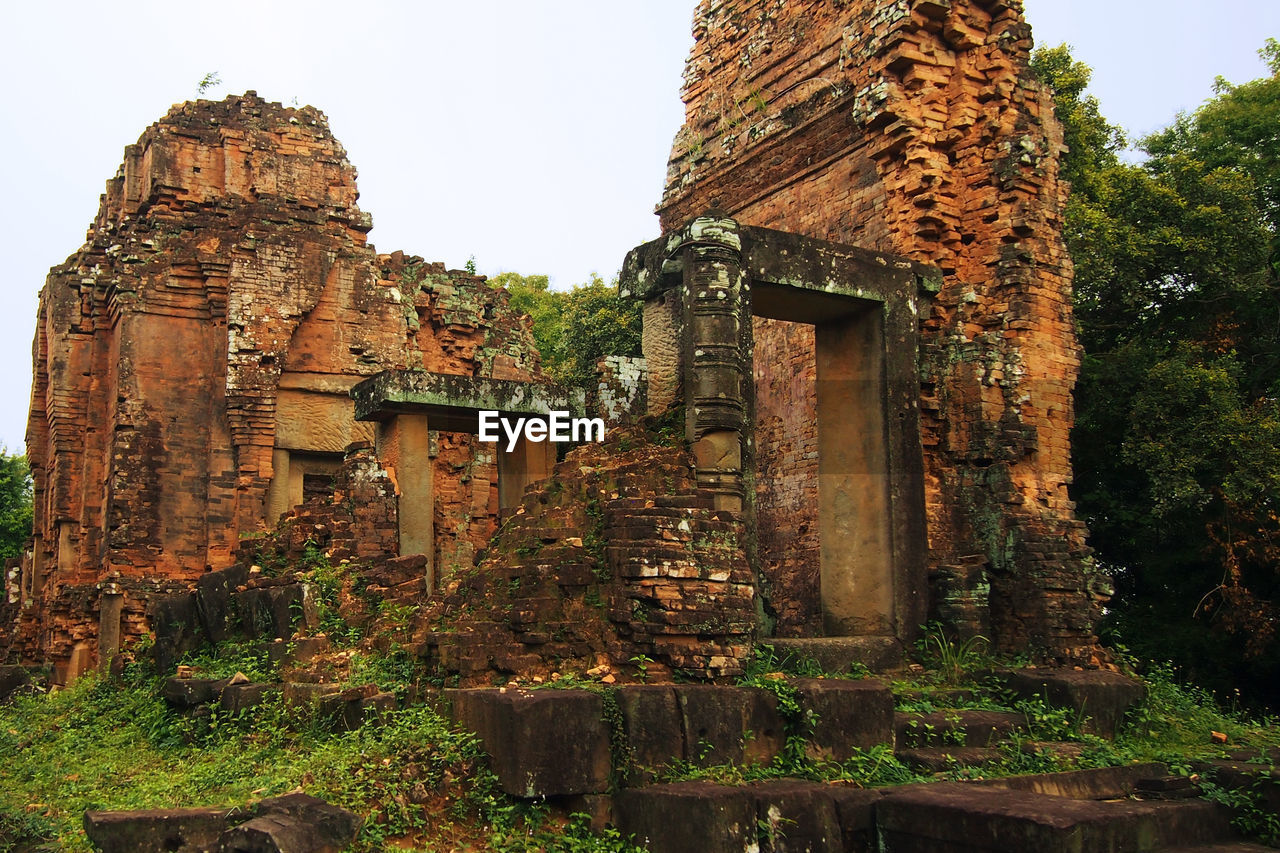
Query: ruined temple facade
pixel 911 127
pixel 858 365
pixel 193 361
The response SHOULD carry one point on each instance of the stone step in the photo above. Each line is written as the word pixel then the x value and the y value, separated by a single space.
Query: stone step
pixel 955 728
pixel 964 818
pixel 941 817
pixel 1100 698
pixel 942 697
pixel 941 758
pixel 838 654
pixel 660 726
pixel 770 817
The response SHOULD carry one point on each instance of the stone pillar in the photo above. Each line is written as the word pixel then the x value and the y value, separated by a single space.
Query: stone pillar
pixel 66 546
pixel 529 462
pixel 278 492
pixel 716 321
pixel 402 445
pixel 110 607
pixel 79 663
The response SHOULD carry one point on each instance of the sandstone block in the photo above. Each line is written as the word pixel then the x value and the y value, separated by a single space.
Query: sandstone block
pixel 13 679
pixel 651 720
pixel 729 725
pixel 847 715
pixel 796 817
pixel 1101 698
pixel 688 817
pixel 144 831
pixel 540 742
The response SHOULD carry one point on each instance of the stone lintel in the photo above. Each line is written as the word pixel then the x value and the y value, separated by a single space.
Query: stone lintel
pixel 453 403
pixel 775 261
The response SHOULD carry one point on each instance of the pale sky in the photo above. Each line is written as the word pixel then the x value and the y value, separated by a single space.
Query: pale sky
pixel 532 135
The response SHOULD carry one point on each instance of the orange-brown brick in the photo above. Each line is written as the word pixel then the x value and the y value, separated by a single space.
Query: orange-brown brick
pixel 913 127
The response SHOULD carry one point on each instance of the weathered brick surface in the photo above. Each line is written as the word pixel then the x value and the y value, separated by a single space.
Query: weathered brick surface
pixel 913 127
pixel 618 555
pixel 207 332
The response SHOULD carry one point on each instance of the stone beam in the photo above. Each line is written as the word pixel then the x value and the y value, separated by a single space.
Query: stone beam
pixel 453 403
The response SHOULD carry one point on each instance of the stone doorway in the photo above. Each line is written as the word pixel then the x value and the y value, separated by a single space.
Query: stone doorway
pixel 849 322
pixel 824 492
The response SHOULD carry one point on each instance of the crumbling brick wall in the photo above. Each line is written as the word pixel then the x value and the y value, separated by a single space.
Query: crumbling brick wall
pixel 913 127
pixel 193 358
pixel 617 561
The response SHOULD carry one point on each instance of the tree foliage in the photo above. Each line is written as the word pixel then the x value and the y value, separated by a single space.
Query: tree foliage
pixel 1177 440
pixel 15 504
pixel 575 328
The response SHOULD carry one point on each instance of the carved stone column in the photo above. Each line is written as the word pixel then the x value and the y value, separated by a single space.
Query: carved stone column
pixel 716 326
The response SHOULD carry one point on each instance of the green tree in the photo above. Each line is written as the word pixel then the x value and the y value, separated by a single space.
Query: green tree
pixel 1094 143
pixel 15 504
pixel 574 328
pixel 1177 440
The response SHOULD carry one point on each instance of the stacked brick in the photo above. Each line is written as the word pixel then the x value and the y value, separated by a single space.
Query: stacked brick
pixel 358 522
pixel 787 474
pixel 915 127
pixel 618 561
pixel 223 304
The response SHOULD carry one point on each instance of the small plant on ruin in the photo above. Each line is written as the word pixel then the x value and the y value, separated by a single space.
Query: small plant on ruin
pixel 951 659
pixel 212 80
pixel 641 663
pixel 1250 813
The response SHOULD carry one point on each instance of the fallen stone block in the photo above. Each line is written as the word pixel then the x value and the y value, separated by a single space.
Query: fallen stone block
pixel 242 697
pixel 307 694
pixel 13 680
pixel 179 830
pixel 688 817
pixel 347 710
pixel 296 650
pixel 177 628
pixel 1101 698
pixel 848 715
pixel 214 603
pixel 294 823
pixel 540 742
pixel 187 693
pixel 270 612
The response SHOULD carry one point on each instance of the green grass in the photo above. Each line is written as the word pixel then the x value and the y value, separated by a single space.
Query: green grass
pixel 116 745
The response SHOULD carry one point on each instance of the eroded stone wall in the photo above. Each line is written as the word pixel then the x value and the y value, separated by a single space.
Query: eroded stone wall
pixel 617 563
pixel 193 360
pixel 914 127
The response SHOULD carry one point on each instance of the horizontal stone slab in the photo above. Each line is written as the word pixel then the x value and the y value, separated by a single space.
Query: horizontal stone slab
pixel 453 403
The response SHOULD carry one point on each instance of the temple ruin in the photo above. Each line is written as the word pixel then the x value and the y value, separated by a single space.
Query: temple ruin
pixel 912 127
pixel 852 414
pixel 192 367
